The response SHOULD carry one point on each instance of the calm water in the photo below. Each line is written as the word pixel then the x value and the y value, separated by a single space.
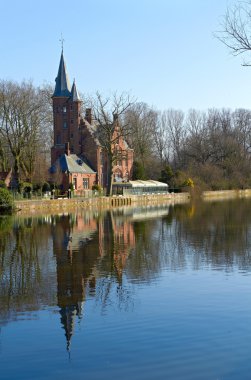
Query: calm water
pixel 146 293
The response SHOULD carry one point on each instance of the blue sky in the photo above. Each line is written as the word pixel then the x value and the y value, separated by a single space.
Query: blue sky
pixel 162 51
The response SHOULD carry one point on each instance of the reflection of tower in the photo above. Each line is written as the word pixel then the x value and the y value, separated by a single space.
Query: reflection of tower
pixel 124 241
pixel 73 239
pixel 68 314
pixel 87 249
pixel 71 291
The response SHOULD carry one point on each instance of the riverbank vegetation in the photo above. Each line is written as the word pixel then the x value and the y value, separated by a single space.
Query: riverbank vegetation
pixel 207 150
pixel 6 200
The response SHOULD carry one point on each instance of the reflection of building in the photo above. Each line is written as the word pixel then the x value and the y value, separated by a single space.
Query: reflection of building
pixel 74 266
pixel 86 249
pixel 124 241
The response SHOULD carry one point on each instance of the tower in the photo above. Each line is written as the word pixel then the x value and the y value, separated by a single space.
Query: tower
pixel 66 114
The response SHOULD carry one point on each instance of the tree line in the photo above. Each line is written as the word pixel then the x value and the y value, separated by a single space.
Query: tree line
pixel 210 148
pixel 25 130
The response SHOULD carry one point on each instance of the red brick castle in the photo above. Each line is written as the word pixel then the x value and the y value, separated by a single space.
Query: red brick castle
pixel 77 156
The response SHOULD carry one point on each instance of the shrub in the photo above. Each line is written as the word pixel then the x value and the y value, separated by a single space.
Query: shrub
pixel 46 187
pixel 188 183
pixel 167 175
pixel 3 184
pixel 138 171
pixel 25 187
pixel 6 200
pixel 97 188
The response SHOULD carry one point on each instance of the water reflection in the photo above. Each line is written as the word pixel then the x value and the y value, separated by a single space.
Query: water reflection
pixel 66 259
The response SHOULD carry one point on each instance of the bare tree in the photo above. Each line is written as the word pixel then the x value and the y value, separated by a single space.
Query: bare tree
pixel 142 121
pixel 235 30
pixel 176 132
pixel 242 127
pixel 24 121
pixel 161 140
pixel 111 127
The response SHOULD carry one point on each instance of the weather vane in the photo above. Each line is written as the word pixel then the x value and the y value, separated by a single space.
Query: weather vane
pixel 62 41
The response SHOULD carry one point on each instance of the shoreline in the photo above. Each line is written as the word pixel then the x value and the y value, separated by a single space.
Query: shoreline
pixel 99 203
pixel 102 203
pixel 225 194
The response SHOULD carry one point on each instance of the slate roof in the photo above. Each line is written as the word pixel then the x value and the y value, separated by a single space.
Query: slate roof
pixel 96 131
pixel 62 87
pixel 72 164
pixel 74 93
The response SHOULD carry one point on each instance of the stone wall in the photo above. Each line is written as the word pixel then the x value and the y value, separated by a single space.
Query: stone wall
pixel 63 205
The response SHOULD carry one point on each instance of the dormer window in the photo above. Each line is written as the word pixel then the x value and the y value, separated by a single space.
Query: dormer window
pixel 64 109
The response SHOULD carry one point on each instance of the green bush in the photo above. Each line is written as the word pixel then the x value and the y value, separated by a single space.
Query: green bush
pixel 97 188
pixel 46 187
pixel 71 187
pixel 167 175
pixel 6 200
pixel 3 184
pixel 138 171
pixel 25 187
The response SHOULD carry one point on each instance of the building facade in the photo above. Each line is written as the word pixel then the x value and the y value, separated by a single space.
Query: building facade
pixel 77 156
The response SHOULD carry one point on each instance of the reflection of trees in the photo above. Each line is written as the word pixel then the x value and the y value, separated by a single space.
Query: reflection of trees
pixel 145 263
pixel 23 261
pixel 219 232
pixel 67 259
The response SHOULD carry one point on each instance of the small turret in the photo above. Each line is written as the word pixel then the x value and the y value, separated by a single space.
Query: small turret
pixel 74 93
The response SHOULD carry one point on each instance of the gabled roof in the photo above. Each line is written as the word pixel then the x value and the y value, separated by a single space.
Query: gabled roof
pixel 62 87
pixel 92 128
pixel 72 164
pixel 96 132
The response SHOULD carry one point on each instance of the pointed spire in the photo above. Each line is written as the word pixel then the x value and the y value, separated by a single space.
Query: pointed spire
pixel 62 87
pixel 68 314
pixel 74 93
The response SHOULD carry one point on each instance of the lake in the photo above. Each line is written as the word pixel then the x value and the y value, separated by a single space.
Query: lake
pixel 158 292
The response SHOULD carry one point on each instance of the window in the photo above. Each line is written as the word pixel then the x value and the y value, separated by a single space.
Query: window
pixel 71 121
pixel 58 139
pixel 75 183
pixel 65 124
pixel 64 109
pixel 119 156
pixel 85 183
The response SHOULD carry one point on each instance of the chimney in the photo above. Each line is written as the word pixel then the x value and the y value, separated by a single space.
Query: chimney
pixel 67 149
pixel 88 115
pixel 115 121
